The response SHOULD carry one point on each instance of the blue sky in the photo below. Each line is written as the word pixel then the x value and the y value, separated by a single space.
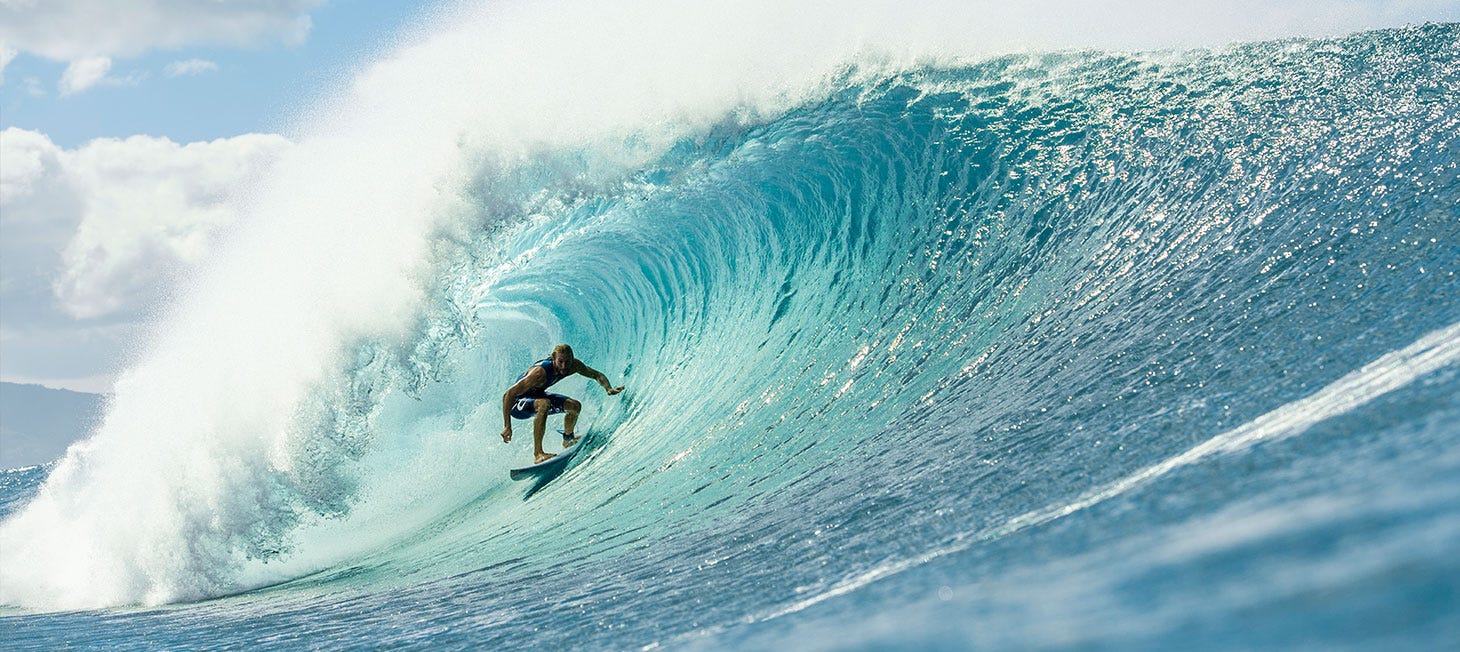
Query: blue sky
pixel 254 88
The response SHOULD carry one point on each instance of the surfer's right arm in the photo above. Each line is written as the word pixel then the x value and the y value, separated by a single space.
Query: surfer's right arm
pixel 580 368
pixel 534 378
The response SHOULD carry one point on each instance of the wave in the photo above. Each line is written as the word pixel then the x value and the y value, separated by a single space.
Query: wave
pixel 1013 279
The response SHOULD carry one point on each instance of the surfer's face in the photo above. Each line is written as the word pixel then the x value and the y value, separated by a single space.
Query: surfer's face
pixel 561 362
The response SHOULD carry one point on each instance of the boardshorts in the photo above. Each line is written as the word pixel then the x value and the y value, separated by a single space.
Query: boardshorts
pixel 523 408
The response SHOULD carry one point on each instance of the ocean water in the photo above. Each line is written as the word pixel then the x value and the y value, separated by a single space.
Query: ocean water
pixel 1072 349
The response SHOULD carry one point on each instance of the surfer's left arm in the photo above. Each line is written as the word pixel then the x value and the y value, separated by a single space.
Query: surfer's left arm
pixel 598 376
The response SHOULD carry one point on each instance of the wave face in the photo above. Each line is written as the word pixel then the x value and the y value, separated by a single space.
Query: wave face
pixel 1047 350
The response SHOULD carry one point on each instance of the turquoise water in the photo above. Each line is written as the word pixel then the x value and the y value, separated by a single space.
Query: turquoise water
pixel 1067 350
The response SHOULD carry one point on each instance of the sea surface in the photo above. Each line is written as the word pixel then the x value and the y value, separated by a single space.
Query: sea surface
pixel 1077 349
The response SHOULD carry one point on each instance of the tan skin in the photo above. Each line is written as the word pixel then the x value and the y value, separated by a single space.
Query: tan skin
pixel 536 378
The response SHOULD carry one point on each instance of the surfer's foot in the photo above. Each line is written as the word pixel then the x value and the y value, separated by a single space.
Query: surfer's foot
pixel 542 457
pixel 569 440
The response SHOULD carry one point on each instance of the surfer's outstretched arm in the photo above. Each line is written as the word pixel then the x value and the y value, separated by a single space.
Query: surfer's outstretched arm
pixel 598 376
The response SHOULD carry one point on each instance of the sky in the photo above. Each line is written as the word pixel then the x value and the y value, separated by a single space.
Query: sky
pixel 126 131
pixel 131 132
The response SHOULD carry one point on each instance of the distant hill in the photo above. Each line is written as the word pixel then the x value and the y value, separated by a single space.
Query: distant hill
pixel 38 423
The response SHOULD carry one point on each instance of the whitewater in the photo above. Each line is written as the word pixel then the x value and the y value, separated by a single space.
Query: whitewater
pixel 970 326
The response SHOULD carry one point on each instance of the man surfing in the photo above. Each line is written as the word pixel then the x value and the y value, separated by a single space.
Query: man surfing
pixel 529 399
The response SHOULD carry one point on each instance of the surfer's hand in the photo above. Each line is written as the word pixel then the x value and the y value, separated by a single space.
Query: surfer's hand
pixel 507 434
pixel 615 390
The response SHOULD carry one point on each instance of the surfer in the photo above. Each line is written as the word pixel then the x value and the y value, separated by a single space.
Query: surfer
pixel 529 399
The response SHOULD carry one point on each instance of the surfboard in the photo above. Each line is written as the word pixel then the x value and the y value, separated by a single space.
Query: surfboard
pixel 551 466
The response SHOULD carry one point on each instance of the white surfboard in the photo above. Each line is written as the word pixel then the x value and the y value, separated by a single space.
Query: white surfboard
pixel 548 467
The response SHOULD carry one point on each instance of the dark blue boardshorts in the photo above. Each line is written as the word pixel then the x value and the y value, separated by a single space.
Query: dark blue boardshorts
pixel 523 408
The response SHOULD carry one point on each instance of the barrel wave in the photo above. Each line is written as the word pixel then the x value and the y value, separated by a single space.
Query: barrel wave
pixel 1050 350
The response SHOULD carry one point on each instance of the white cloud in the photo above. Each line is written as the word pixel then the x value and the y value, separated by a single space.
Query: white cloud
pixel 26 157
pixel 6 55
pixel 92 238
pixel 83 74
pixel 125 214
pixel 190 67
pixel 88 32
pixel 67 30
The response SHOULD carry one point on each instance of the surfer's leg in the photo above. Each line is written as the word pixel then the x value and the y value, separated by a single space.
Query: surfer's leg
pixel 570 420
pixel 539 425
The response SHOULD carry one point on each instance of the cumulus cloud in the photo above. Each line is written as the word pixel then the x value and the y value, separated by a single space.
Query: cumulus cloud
pixel 190 67
pixel 25 158
pixel 67 30
pixel 125 215
pixel 92 239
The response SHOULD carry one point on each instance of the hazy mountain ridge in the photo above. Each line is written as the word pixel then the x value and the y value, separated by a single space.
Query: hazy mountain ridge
pixel 37 423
